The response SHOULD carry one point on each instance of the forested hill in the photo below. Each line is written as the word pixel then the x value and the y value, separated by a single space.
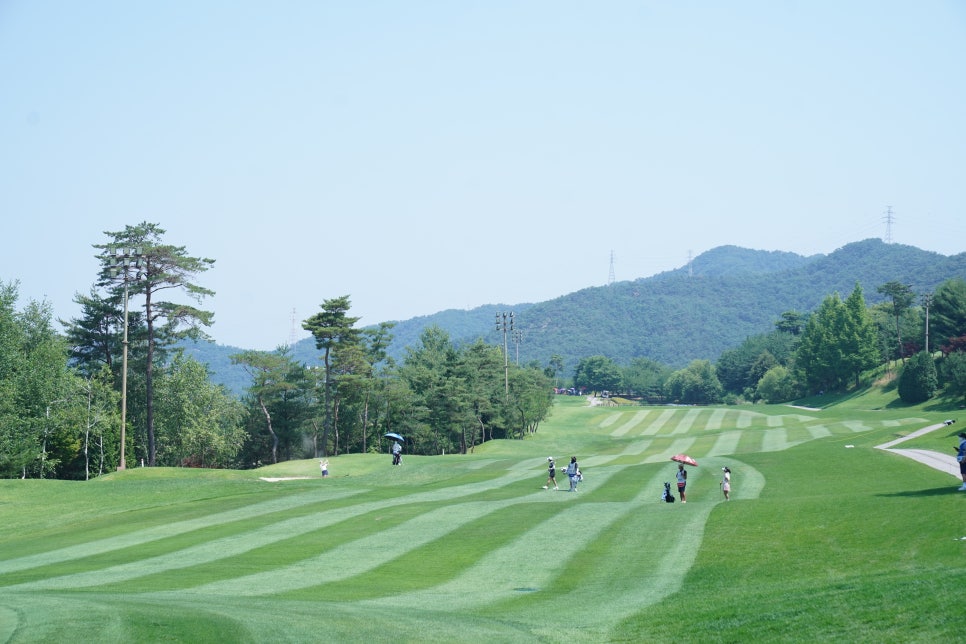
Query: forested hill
pixel 694 312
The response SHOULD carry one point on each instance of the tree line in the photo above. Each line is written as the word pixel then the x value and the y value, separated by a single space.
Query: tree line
pixel 115 383
pixel 921 338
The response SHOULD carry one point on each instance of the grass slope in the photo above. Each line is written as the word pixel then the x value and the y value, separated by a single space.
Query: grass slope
pixel 821 541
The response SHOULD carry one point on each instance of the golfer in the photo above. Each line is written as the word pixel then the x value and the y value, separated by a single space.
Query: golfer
pixel 573 472
pixel 324 466
pixel 726 483
pixel 961 457
pixel 396 453
pixel 682 482
pixel 551 474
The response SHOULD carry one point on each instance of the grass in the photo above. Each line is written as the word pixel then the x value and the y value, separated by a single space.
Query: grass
pixel 820 541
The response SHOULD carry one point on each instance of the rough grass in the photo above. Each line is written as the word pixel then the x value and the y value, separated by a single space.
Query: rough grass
pixel 820 542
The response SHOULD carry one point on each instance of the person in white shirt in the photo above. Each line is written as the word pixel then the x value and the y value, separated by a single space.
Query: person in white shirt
pixel 726 483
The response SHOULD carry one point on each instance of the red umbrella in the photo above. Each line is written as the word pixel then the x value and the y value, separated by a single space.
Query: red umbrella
pixel 684 458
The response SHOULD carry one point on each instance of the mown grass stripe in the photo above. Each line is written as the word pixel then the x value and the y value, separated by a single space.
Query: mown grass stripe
pixel 221 548
pixel 636 447
pixel 155 533
pixel 609 420
pixel 855 426
pixel 717 419
pixel 774 440
pixel 745 419
pixel 378 549
pixel 685 423
pixel 677 446
pixel 658 424
pixel 726 443
pixel 634 421
pixel 819 431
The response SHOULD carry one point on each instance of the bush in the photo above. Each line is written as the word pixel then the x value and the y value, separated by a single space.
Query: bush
pixel 918 381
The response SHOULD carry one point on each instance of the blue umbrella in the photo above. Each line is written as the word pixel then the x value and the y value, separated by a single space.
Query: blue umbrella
pixel 392 435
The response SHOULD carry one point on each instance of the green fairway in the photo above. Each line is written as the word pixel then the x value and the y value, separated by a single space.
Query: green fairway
pixel 825 538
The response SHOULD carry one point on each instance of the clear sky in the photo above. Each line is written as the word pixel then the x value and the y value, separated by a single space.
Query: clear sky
pixel 427 155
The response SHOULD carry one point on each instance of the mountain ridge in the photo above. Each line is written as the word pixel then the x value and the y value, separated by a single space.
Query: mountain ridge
pixel 696 311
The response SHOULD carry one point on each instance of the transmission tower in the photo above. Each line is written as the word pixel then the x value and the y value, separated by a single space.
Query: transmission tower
pixel 291 336
pixel 690 266
pixel 611 276
pixel 888 218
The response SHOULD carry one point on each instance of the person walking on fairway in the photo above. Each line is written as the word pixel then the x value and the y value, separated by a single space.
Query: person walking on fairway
pixel 961 457
pixel 551 474
pixel 573 473
pixel 682 482
pixel 396 453
pixel 726 483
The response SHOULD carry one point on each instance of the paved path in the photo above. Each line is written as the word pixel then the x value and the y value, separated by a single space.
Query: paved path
pixel 942 462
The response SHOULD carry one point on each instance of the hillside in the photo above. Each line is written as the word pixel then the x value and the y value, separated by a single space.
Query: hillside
pixel 693 312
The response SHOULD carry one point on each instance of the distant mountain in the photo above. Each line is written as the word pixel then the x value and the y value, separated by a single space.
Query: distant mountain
pixel 733 260
pixel 697 311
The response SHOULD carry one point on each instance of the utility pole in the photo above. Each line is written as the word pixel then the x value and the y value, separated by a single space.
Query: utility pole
pixel 517 339
pixel 504 322
pixel 123 261
pixel 926 302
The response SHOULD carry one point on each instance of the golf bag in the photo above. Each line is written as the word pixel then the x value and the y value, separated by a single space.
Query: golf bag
pixel 667 497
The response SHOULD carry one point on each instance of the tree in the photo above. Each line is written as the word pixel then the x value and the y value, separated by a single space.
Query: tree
pixel 776 386
pixel 598 373
pixel 157 267
pixel 39 403
pixel 530 398
pixel 762 365
pixel 199 423
pixel 101 423
pixel 901 297
pixel 481 368
pixel 838 343
pixel 740 369
pixel 645 377
pixel 331 327
pixel 860 339
pixel 695 384
pixel 270 381
pixel 377 343
pixel 554 368
pixel 954 374
pixel 440 407
pixel 918 380
pixel 15 445
pixel 94 337
pixel 947 314
pixel 791 322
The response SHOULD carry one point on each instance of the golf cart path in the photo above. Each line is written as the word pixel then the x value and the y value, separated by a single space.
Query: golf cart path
pixel 936 460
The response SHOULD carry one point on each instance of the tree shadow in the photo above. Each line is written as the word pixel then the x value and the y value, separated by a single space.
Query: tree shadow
pixel 944 403
pixel 936 491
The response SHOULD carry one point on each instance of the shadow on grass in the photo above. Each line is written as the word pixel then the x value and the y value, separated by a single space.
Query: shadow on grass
pixel 945 403
pixel 936 491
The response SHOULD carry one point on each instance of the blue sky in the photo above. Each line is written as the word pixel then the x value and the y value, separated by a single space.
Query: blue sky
pixel 421 156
